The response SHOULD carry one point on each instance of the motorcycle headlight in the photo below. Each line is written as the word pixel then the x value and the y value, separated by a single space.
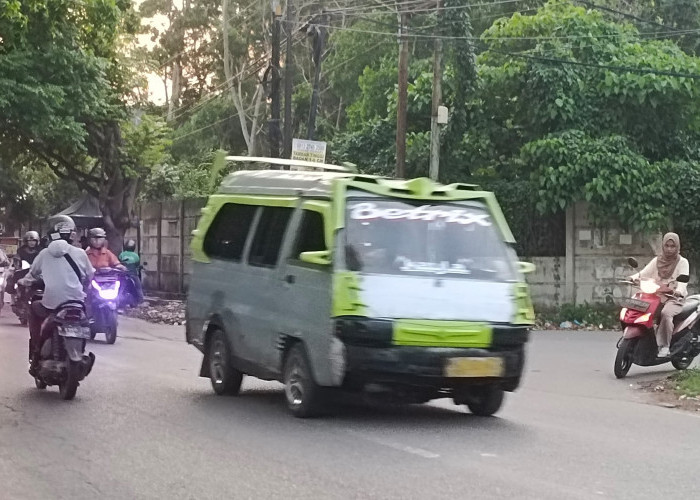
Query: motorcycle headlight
pixel 110 293
pixel 649 286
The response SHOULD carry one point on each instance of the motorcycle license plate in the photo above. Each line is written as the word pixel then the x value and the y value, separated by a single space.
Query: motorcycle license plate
pixel 77 332
pixel 474 367
pixel 637 305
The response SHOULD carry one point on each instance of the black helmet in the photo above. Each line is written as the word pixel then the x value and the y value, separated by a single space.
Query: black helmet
pixel 31 236
pixel 130 246
pixel 62 227
pixel 97 232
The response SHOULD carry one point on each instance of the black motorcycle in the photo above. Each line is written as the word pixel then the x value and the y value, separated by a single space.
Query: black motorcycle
pixel 19 301
pixel 104 296
pixel 62 358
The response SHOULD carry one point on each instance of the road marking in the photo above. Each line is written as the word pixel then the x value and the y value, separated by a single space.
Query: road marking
pixel 397 446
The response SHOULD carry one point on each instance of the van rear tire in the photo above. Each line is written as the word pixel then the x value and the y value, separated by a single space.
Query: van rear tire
pixel 304 397
pixel 225 379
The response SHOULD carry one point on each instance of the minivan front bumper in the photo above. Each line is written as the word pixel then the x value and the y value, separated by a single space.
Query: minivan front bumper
pixel 425 366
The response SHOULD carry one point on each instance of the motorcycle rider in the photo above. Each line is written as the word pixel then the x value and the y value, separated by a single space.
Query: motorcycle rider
pixel 29 249
pixel 664 269
pixel 132 261
pixel 4 264
pixel 58 266
pixel 4 261
pixel 98 253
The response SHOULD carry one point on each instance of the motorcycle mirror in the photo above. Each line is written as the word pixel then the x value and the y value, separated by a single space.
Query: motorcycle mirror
pixel 633 263
pixel 683 278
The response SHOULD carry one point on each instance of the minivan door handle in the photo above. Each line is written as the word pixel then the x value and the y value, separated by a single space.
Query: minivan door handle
pixel 290 278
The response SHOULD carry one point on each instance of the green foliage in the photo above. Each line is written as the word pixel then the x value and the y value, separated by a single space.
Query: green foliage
pixel 620 184
pixel 585 314
pixel 687 382
pixel 146 139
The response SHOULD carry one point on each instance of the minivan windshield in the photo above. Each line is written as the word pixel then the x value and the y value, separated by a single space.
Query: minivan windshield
pixel 426 239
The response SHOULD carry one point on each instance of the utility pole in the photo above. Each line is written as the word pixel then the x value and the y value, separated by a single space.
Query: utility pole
pixel 319 35
pixel 274 123
pixel 402 98
pixel 437 100
pixel 288 84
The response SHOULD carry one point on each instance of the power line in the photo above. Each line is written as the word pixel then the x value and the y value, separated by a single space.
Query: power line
pixel 623 14
pixel 447 37
pixel 627 69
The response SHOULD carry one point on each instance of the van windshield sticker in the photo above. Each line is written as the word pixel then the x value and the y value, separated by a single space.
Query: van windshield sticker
pixel 366 211
pixel 444 267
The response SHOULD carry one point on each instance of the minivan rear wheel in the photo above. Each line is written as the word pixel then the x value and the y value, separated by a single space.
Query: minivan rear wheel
pixel 304 397
pixel 225 379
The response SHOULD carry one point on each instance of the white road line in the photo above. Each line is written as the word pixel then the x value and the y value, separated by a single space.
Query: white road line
pixel 397 446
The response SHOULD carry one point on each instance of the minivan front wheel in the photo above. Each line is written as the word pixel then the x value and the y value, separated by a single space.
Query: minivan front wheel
pixel 303 395
pixel 225 379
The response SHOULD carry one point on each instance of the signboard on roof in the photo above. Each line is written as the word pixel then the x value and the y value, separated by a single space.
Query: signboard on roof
pixel 306 150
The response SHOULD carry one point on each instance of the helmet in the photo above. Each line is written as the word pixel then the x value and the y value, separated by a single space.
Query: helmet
pixel 63 228
pixel 31 236
pixel 130 246
pixel 97 232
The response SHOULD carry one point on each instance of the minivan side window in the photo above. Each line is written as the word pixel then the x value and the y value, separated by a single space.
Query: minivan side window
pixel 227 234
pixel 267 242
pixel 310 237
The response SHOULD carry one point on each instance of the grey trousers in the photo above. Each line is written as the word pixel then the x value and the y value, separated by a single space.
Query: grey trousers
pixel 665 329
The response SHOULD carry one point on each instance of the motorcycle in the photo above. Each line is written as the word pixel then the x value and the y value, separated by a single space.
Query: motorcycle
pixel 19 302
pixel 104 298
pixel 3 280
pixel 128 295
pixel 62 358
pixel 639 319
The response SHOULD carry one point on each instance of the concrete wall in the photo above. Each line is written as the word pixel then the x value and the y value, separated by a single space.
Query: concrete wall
pixel 597 260
pixel 164 237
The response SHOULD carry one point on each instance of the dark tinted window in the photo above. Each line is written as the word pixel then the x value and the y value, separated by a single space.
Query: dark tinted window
pixel 310 237
pixel 228 232
pixel 268 236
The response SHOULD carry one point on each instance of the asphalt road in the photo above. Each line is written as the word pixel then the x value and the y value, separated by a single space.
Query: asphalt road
pixel 143 425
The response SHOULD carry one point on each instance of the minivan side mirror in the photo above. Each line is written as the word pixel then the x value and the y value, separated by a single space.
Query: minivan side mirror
pixel 633 263
pixel 526 267
pixel 321 257
pixel 683 278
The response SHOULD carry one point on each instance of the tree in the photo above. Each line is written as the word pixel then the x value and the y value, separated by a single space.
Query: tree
pixel 61 99
pixel 587 118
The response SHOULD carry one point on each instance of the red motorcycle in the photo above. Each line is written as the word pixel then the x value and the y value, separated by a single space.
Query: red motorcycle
pixel 639 318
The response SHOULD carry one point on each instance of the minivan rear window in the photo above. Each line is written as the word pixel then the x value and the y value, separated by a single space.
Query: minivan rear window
pixel 267 242
pixel 227 234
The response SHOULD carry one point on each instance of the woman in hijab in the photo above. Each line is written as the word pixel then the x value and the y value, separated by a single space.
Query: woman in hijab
pixel 664 269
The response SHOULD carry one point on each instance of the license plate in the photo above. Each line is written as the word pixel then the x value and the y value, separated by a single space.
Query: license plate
pixel 637 305
pixel 78 332
pixel 474 367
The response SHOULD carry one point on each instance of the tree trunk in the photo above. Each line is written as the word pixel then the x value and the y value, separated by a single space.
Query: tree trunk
pixel 174 103
pixel 117 193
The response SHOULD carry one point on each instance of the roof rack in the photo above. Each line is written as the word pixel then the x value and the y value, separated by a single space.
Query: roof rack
pixel 291 163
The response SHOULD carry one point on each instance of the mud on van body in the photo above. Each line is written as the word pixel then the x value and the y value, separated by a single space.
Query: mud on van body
pixel 325 280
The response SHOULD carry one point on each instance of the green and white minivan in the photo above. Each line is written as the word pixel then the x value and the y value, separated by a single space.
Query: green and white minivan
pixel 329 280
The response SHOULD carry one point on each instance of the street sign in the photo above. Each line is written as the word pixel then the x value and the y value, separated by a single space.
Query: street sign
pixel 306 150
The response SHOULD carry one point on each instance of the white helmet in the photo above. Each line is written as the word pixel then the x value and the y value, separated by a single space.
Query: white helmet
pixel 63 228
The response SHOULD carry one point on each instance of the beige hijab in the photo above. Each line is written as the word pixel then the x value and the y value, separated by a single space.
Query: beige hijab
pixel 666 263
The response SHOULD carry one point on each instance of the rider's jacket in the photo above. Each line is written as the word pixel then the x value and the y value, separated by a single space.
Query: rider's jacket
pixel 61 282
